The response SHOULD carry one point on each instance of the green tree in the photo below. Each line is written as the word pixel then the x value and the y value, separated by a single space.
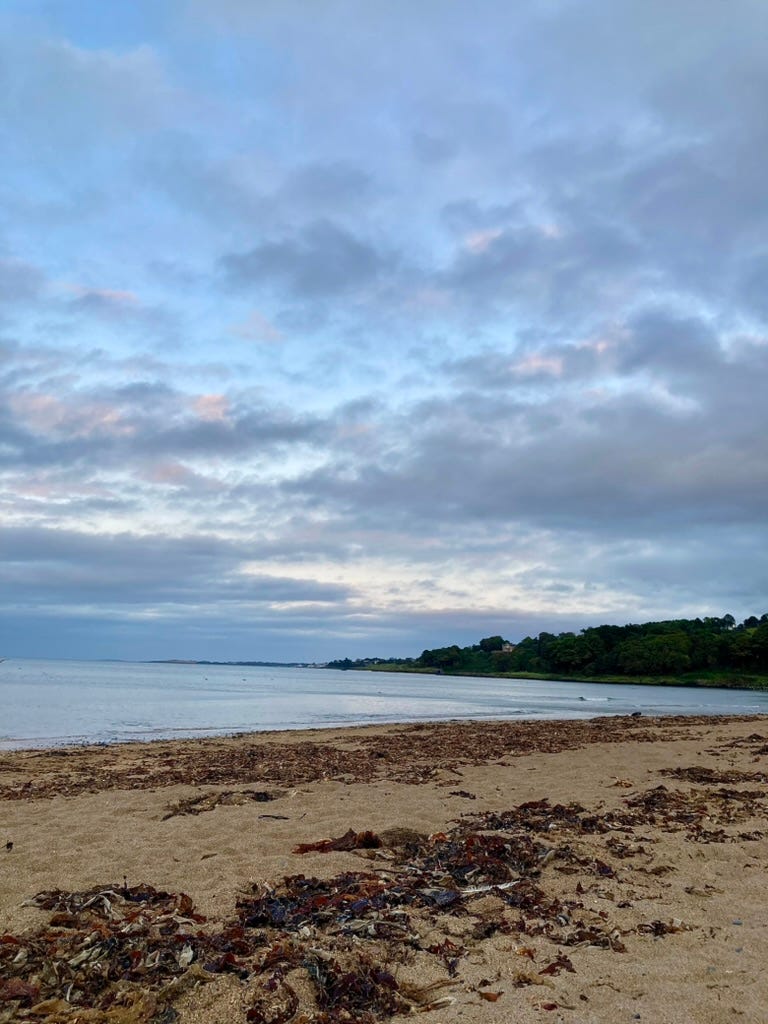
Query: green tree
pixel 491 643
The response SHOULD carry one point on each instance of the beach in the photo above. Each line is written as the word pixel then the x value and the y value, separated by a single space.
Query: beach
pixel 611 869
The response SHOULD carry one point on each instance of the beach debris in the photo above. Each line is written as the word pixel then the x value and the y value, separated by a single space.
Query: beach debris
pixel 463 793
pixel 9 845
pixel 400 838
pixel 120 953
pixel 713 776
pixel 522 977
pixel 676 810
pixel 360 991
pixel 560 963
pixel 543 880
pixel 414 754
pixel 227 798
pixel 275 1003
pixel 351 840
pixel 136 948
pixel 423 997
pixel 659 928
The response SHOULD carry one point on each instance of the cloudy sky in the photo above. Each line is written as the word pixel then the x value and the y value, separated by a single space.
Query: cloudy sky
pixel 331 328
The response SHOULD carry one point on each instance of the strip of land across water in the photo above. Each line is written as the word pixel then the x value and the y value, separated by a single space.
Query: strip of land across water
pixel 580 871
pixel 716 652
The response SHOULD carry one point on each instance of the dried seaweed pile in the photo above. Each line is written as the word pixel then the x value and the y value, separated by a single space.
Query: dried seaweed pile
pixel 227 798
pixel 347 948
pixel 412 754
pixel 540 882
pixel 115 954
pixel 711 776
pixel 696 811
pixel 756 743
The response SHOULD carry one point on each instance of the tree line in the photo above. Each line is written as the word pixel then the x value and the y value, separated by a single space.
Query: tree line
pixel 671 647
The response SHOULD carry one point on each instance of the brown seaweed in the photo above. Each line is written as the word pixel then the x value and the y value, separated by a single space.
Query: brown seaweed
pixel 413 754
pixel 227 798
pixel 351 840
pixel 122 954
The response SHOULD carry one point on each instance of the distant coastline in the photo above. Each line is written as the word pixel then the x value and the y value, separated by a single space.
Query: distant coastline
pixel 709 652
pixel 712 680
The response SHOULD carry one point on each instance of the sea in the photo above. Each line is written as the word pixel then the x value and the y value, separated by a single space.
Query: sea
pixel 52 703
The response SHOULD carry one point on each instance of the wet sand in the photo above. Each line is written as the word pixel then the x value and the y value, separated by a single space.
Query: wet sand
pixel 627 902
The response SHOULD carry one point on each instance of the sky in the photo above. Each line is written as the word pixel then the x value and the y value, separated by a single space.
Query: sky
pixel 334 329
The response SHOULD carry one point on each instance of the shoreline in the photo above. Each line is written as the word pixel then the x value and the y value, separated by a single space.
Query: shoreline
pixel 10 745
pixel 201 735
pixel 744 681
pixel 631 849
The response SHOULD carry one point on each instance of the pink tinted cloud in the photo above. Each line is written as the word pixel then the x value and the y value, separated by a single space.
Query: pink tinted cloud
pixel 535 364
pixel 48 414
pixel 479 241
pixel 256 327
pixel 212 408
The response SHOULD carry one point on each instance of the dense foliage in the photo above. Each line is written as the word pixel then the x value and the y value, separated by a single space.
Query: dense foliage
pixel 653 648
pixel 673 647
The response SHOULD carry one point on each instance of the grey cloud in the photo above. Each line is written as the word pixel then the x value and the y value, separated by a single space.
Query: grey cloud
pixel 569 271
pixel 752 287
pixel 249 431
pixel 288 635
pixel 110 305
pixel 19 281
pixel 327 186
pixel 323 260
pixel 432 149
pixel 47 566
pixel 667 344
pixel 179 167
pixel 539 366
pixel 555 220
pixel 597 461
pixel 66 97
pixel 69 422
pixel 467 215
pixel 238 193
pixel 121 311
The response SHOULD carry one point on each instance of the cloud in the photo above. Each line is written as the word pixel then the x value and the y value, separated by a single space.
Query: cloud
pixel 68 96
pixel 334 187
pixel 49 567
pixel 646 431
pixel 503 278
pixel 257 328
pixel 323 261
pixel 50 420
pixel 19 281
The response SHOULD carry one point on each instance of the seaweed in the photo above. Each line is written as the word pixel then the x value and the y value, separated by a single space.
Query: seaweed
pixel 363 992
pixel 227 797
pixel 413 754
pixel 351 840
pixel 121 954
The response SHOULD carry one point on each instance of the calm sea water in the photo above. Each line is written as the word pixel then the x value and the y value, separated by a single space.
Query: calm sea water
pixel 45 703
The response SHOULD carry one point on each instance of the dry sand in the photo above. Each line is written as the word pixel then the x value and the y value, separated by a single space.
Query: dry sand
pixel 656 898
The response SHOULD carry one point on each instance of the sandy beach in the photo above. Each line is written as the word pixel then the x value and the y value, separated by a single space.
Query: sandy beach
pixel 607 870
